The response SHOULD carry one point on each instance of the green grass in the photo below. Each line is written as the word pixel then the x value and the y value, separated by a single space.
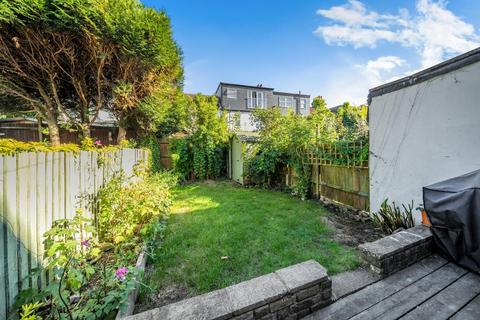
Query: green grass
pixel 259 231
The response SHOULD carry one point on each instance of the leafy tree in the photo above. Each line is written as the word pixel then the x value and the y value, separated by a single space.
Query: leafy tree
pixel 284 141
pixel 148 71
pixel 69 59
pixel 319 103
pixel 353 122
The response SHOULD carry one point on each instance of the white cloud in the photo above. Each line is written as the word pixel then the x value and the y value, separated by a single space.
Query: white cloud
pixel 434 31
pixel 377 71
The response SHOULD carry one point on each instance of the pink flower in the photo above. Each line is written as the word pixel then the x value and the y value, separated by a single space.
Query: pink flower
pixel 121 273
pixel 85 243
pixel 98 143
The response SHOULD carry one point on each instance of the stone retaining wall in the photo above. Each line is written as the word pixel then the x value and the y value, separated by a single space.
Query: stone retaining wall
pixel 288 293
pixel 397 251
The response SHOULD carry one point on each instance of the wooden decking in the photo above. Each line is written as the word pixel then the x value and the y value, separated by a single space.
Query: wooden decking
pixel 430 289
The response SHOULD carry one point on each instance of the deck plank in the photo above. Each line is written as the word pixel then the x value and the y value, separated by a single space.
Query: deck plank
pixel 408 298
pixel 447 302
pixel 470 312
pixel 354 304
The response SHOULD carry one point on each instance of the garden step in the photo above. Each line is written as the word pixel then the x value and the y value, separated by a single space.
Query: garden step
pixel 291 292
pixel 346 283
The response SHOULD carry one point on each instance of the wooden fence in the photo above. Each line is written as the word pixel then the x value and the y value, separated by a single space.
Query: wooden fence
pixel 338 172
pixel 35 190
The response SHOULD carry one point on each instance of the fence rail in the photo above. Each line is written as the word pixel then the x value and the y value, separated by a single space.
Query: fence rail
pixel 38 188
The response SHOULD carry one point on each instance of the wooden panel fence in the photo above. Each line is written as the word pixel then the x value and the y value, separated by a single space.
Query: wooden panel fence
pixel 339 172
pixel 347 185
pixel 38 188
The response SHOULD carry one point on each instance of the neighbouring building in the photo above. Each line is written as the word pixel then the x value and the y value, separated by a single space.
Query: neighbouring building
pixel 424 128
pixel 28 129
pixel 240 100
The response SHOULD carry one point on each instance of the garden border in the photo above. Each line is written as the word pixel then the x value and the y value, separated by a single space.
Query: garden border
pixel 291 292
pixel 132 296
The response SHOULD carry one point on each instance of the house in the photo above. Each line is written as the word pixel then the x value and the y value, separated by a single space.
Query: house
pixel 424 128
pixel 240 100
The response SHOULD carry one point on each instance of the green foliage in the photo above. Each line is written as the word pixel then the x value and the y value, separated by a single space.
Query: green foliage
pixel 353 122
pixel 125 209
pixel 84 285
pixel 29 311
pixel 285 141
pixel 90 280
pixel 390 217
pixel 201 153
pixel 151 142
pixel 12 146
pixel 74 57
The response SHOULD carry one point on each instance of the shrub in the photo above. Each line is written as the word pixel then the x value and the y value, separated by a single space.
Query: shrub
pixel 390 217
pixel 201 153
pixel 12 146
pixel 85 285
pixel 125 208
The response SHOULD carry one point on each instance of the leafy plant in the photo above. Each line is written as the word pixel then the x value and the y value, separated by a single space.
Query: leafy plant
pixel 391 217
pixel 201 153
pixel 85 285
pixel 125 208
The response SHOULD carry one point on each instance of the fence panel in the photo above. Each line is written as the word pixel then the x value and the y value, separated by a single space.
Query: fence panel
pixel 35 190
pixel 347 185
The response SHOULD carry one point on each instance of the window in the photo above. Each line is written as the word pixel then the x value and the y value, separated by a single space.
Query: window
pixel 303 104
pixel 285 102
pixel 256 99
pixel 231 93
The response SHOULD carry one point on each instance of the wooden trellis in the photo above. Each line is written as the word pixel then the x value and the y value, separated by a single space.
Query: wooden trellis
pixel 352 154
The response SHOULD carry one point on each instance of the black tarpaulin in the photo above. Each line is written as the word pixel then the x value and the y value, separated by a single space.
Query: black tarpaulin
pixel 453 207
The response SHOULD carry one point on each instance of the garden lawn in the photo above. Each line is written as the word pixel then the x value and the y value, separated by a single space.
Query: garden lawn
pixel 220 234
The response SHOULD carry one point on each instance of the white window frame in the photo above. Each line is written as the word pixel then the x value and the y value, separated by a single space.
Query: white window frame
pixel 285 102
pixel 303 103
pixel 231 93
pixel 256 99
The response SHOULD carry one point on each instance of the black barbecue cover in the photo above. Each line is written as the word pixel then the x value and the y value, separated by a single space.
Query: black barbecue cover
pixel 453 207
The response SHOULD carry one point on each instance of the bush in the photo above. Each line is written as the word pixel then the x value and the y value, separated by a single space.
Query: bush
pixel 12 146
pixel 86 283
pixel 390 217
pixel 90 280
pixel 201 153
pixel 124 209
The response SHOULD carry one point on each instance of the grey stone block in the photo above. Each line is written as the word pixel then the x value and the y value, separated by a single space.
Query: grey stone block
pixel 302 275
pixel 308 292
pixel 395 252
pixel 254 293
pixel 213 305
pixel 282 303
pixel 262 311
pixel 245 316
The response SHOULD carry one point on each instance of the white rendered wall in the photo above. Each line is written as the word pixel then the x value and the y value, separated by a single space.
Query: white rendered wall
pixel 245 121
pixel 424 134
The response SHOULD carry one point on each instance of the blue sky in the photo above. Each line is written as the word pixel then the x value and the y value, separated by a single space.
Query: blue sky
pixel 337 49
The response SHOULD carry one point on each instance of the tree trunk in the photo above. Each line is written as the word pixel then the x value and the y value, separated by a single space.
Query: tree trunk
pixel 86 133
pixel 54 133
pixel 122 134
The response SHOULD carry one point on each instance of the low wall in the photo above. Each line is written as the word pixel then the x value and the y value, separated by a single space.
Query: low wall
pixel 397 251
pixel 288 293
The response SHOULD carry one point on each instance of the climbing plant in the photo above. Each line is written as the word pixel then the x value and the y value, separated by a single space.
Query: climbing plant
pixel 200 154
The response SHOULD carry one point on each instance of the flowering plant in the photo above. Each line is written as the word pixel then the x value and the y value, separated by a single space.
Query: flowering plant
pixel 85 285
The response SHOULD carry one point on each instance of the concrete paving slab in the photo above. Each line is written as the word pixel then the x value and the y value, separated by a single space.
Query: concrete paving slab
pixel 349 282
pixel 302 275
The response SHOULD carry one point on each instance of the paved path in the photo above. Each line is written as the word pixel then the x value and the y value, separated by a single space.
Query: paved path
pixel 430 289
